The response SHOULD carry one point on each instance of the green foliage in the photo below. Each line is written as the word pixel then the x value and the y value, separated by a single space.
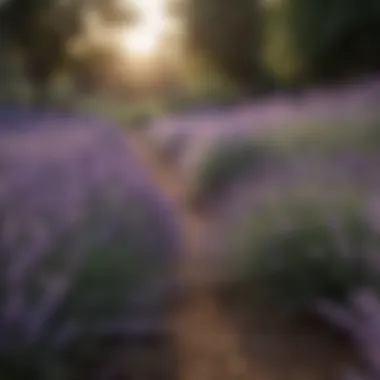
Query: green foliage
pixel 78 266
pixel 326 40
pixel 98 297
pixel 279 54
pixel 29 27
pixel 202 101
pixel 225 163
pixel 329 137
pixel 227 33
pixel 129 114
pixel 205 86
pixel 297 249
pixel 41 29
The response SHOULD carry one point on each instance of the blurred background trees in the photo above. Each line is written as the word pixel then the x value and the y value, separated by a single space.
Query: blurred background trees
pixel 326 40
pixel 253 45
pixel 228 33
pixel 296 41
pixel 39 33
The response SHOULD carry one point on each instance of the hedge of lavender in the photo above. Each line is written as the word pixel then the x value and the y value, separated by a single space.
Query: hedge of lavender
pixel 218 161
pixel 360 318
pixel 307 245
pixel 225 163
pixel 353 101
pixel 87 245
pixel 295 246
pixel 306 228
pixel 171 137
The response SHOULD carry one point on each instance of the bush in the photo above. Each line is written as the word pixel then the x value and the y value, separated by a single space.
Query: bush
pixel 87 248
pixel 226 161
pixel 296 248
pixel 330 137
pixel 131 115
pixel 360 319
pixel 204 101
pixel 139 116
pixel 171 137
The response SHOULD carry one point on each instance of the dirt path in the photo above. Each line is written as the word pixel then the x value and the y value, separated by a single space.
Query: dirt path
pixel 207 344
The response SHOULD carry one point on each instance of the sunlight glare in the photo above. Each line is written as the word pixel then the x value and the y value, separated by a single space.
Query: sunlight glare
pixel 143 39
pixel 142 42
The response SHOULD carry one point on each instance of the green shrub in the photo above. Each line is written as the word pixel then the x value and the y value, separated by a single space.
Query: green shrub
pixel 208 97
pixel 295 249
pixel 81 292
pixel 131 115
pixel 224 163
pixel 328 137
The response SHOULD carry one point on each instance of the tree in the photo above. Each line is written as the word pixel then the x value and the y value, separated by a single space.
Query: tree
pixel 227 32
pixel 98 66
pixel 334 38
pixel 41 30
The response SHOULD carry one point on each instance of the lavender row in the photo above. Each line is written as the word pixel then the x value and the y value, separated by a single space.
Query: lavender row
pixel 292 186
pixel 88 245
pixel 173 136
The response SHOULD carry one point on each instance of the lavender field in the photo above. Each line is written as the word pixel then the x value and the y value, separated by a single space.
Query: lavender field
pixel 88 249
pixel 274 202
pixel 289 187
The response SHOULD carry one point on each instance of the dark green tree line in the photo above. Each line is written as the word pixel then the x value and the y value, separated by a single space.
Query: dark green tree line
pixel 322 40
pixel 335 38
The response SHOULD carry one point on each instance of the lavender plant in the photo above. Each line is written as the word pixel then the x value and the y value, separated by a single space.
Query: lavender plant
pixel 221 158
pixel 87 248
pixel 331 137
pixel 294 248
pixel 224 162
pixel 167 137
pixel 343 105
pixel 360 319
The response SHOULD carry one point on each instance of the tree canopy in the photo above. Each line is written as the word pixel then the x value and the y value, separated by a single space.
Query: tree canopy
pixel 228 32
pixel 39 30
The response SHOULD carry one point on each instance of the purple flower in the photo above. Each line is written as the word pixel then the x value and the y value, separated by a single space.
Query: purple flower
pixel 83 234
